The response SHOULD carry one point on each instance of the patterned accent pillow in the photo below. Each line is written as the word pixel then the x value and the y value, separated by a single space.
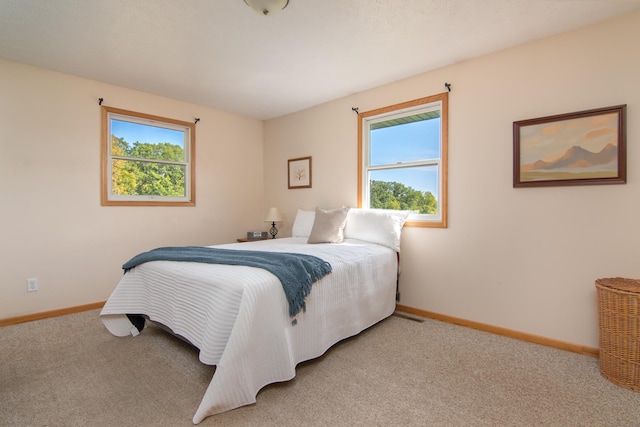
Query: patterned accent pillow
pixel 328 226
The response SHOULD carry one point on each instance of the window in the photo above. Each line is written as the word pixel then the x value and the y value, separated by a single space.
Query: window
pixel 402 159
pixel 147 160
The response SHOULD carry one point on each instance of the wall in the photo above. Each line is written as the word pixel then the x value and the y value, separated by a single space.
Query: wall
pixel 522 259
pixel 51 221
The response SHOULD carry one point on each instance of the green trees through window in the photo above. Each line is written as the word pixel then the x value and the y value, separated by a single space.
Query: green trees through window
pixel 397 196
pixel 138 177
pixel 147 160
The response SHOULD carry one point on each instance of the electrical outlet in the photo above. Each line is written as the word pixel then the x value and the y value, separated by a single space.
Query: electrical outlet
pixel 32 285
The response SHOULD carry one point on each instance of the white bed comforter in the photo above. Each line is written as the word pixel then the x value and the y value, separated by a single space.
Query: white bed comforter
pixel 238 316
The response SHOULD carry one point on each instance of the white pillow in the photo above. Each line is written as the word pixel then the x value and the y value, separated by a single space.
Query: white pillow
pixel 303 223
pixel 380 226
pixel 328 226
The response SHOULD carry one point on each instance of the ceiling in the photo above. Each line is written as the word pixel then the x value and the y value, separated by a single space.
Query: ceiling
pixel 221 54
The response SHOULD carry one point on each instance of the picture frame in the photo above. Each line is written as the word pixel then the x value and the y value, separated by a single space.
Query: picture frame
pixel 580 148
pixel 299 172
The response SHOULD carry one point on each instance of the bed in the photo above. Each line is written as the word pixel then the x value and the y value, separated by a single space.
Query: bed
pixel 239 317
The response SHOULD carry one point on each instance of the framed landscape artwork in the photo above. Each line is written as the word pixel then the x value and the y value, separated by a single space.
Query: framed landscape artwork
pixel 582 148
pixel 299 171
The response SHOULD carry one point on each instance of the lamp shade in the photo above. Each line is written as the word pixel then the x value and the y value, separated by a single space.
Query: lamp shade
pixel 273 215
pixel 267 7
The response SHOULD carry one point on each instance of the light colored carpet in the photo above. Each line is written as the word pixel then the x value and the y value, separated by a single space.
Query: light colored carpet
pixel 69 371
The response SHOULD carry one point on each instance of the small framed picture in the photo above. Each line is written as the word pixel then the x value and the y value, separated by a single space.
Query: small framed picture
pixel 299 172
pixel 582 148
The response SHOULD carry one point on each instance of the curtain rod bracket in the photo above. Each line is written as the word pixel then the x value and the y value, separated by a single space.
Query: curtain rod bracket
pixel 100 101
pixel 197 120
pixel 355 109
pixel 448 86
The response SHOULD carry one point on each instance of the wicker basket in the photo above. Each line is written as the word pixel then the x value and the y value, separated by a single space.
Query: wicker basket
pixel 619 321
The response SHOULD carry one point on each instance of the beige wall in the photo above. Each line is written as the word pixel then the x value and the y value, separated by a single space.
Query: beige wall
pixel 523 259
pixel 51 223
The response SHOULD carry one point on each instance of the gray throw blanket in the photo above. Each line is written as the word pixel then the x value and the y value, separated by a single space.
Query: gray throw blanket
pixel 297 272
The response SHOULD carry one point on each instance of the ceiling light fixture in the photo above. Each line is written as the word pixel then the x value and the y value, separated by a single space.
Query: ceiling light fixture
pixel 267 7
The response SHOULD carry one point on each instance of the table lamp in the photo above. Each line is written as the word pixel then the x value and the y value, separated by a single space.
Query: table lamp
pixel 273 216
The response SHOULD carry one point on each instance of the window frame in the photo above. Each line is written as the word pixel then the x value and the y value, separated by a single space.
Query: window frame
pixel 108 199
pixel 410 107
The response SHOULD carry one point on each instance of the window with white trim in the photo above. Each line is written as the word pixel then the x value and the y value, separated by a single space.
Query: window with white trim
pixel 402 159
pixel 147 160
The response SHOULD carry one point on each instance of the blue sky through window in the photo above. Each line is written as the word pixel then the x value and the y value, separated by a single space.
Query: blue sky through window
pixel 405 143
pixel 132 132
